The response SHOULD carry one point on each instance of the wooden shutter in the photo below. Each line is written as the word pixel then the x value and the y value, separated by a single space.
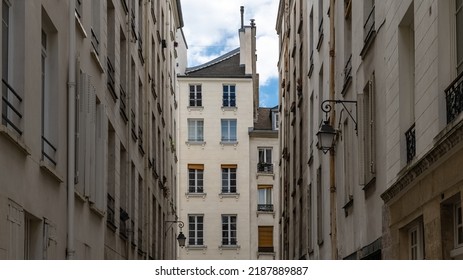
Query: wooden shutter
pixel 361 137
pixel 196 166
pixel 266 236
pixel 16 231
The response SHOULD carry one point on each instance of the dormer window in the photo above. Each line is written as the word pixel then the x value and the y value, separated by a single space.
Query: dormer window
pixel 275 121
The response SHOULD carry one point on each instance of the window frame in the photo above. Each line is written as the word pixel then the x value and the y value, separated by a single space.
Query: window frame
pixel 198 186
pixel 415 242
pixel 198 130
pixel 194 232
pixel 195 95
pixel 230 239
pixel 229 95
pixel 226 125
pixel 458 33
pixel 457 224
pixel 227 177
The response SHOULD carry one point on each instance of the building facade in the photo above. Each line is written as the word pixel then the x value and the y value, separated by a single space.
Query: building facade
pixel 91 172
pixel 385 75
pixel 218 169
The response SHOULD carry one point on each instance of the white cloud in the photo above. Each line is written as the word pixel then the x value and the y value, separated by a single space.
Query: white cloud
pixel 211 29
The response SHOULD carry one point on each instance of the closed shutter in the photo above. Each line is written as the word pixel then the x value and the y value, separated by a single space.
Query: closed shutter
pixel 265 238
pixel 100 162
pixel 16 231
pixel 361 134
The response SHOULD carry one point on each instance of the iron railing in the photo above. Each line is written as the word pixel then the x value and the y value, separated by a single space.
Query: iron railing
pixel 311 64
pixel 110 78
pixel 369 26
pixel 265 207
pixel 110 217
pixel 11 101
pixel 48 150
pixel 95 42
pixel 132 24
pixel 79 8
pixel 266 249
pixel 140 48
pixel 411 143
pixel 122 104
pixel 454 98
pixel 348 71
pixel 133 126
pixel 265 167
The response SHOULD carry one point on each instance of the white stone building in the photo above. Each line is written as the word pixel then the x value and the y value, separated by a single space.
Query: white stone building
pixel 218 183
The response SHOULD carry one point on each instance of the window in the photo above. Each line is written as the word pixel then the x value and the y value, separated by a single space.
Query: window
pixel 264 196
pixel 229 130
pixel 11 100
pixel 265 239
pixel 229 96
pixel 229 230
pixel 319 207
pixel 458 225
pixel 195 130
pixel 196 96
pixel 320 24
pixel 195 230
pixel 415 241
pixel 459 26
pixel 229 178
pixel 265 160
pixel 96 17
pixel 367 150
pixel 195 178
pixel 275 121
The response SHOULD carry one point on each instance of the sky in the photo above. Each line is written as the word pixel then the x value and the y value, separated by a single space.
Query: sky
pixel 211 29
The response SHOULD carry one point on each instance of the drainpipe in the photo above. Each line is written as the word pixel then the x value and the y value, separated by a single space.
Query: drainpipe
pixel 255 79
pixel 70 251
pixel 333 210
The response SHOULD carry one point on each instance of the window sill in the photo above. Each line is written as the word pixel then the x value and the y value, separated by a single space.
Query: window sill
pixel 80 26
pixel 79 196
pixel 368 43
pixel 15 140
pixel 96 211
pixel 97 60
pixel 195 108
pixel 195 143
pixel 196 247
pixel 229 247
pixel 202 195
pixel 269 174
pixel 229 195
pixel 233 109
pixel 111 226
pixel 229 143
pixel 51 171
pixel 348 206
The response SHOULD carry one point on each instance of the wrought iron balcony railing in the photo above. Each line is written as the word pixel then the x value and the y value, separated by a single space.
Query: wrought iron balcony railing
pixel 454 98
pixel 11 103
pixel 347 74
pixel 95 42
pixel 265 167
pixel 122 104
pixel 411 143
pixel 265 207
pixel 110 217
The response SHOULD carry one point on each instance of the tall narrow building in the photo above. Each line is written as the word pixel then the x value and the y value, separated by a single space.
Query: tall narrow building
pixel 218 192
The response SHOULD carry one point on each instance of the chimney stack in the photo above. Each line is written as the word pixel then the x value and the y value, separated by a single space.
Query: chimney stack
pixel 242 16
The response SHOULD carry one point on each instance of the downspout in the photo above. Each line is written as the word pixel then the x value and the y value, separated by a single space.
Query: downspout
pixel 333 210
pixel 255 80
pixel 70 251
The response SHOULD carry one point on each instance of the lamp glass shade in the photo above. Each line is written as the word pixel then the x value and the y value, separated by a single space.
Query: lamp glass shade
pixel 326 136
pixel 181 239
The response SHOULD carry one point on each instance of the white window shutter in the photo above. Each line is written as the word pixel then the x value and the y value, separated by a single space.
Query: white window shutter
pixel 16 231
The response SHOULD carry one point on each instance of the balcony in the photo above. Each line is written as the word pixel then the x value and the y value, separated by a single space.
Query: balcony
pixel 411 143
pixel 311 64
pixel 320 35
pixel 110 215
pixel 11 102
pixel 95 42
pixel 133 126
pixel 265 207
pixel 454 98
pixel 132 24
pixel 265 167
pixel 140 141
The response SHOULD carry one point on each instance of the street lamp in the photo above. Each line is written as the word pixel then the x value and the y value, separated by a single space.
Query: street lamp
pixel 326 135
pixel 181 238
